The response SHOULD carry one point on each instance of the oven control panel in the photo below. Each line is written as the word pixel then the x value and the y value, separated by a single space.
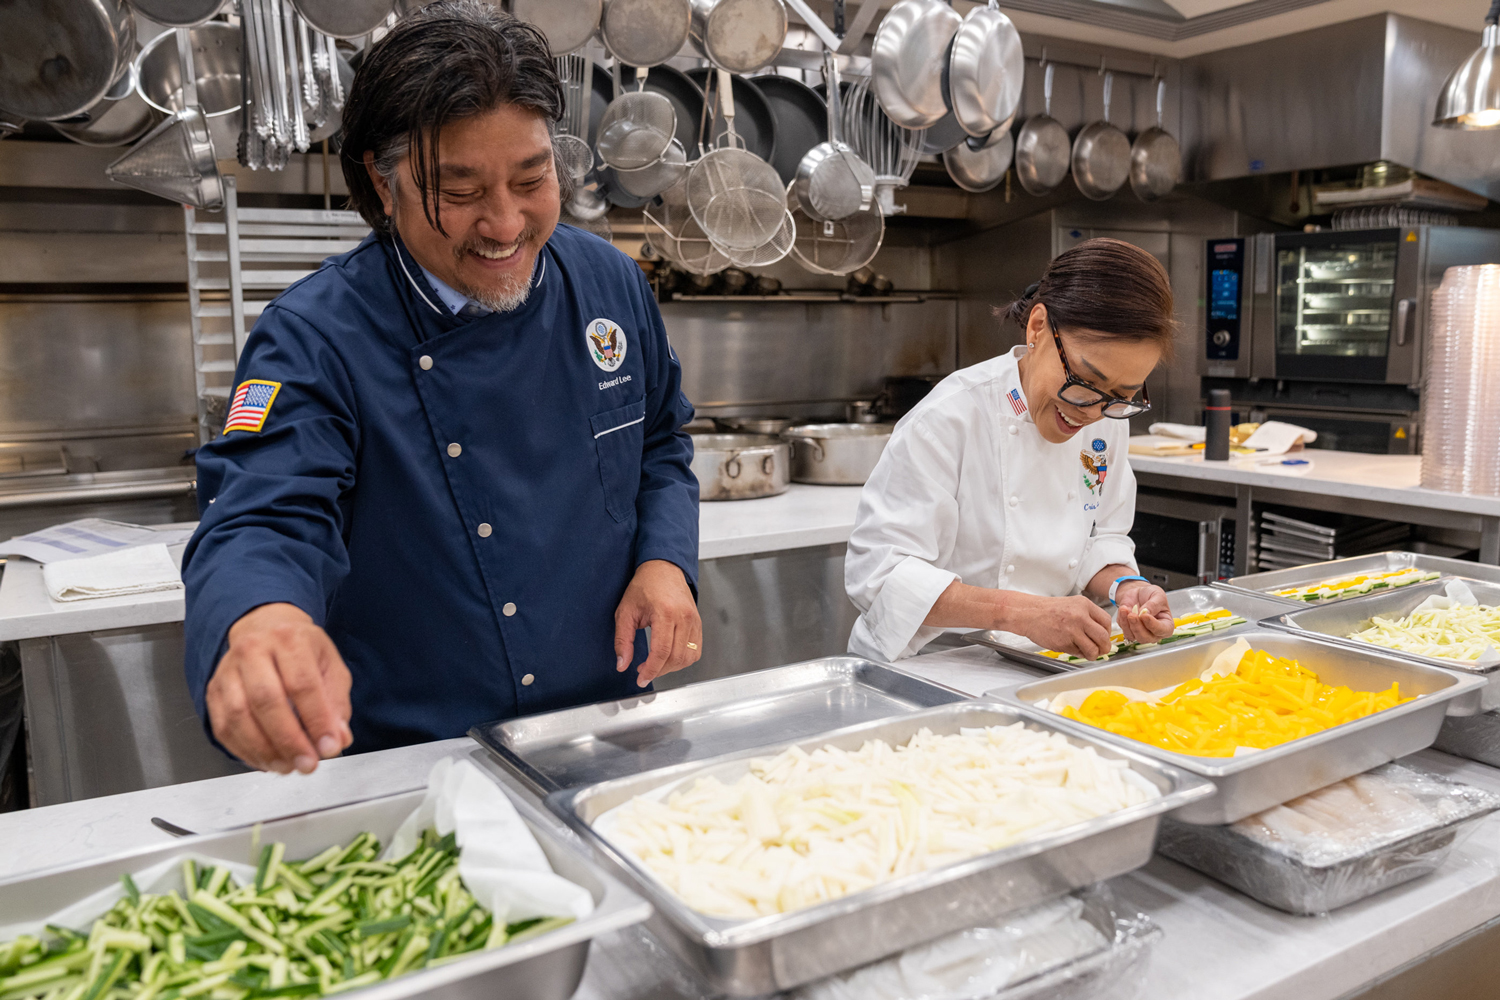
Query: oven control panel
pixel 1226 273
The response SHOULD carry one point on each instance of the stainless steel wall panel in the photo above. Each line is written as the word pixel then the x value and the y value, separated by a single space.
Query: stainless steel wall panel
pixel 109 712
pixel 760 352
pixel 71 258
pixel 88 363
pixel 765 610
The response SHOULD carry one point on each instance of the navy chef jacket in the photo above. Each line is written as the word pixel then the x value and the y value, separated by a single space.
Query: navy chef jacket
pixel 459 501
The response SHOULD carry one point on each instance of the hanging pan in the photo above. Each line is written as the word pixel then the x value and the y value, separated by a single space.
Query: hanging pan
pixel 985 71
pixel 741 36
pixel 1042 147
pixel 177 13
pixel 908 59
pixel 566 26
pixel 644 32
pixel 982 169
pixel 1101 154
pixel 344 18
pixel 1155 158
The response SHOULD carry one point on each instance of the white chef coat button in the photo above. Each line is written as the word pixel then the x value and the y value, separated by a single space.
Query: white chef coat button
pixel 528 679
pixel 1072 495
pixel 1014 501
pixel 485 529
pixel 1072 564
pixel 455 449
pixel 1011 568
pixel 426 362
pixel 1014 429
pixel 509 609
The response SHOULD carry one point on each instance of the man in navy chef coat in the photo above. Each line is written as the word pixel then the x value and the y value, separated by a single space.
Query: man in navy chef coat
pixel 452 485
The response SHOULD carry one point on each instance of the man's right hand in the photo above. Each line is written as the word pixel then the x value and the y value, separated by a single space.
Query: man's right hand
pixel 279 699
pixel 1064 624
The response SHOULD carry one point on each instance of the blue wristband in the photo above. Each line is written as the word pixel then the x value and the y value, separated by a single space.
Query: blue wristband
pixel 1114 587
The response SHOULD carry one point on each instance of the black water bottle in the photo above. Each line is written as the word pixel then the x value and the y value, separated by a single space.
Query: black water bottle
pixel 1216 414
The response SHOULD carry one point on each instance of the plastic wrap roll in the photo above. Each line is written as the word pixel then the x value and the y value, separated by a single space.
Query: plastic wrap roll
pixel 1460 407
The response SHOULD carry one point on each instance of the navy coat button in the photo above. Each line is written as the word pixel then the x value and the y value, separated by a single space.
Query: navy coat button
pixel 485 529
pixel 528 679
pixel 426 362
pixel 455 449
pixel 508 610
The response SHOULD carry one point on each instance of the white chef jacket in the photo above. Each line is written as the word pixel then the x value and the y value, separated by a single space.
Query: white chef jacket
pixel 968 489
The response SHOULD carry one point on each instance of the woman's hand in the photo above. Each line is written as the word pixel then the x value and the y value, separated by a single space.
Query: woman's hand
pixel 1143 613
pixel 1064 624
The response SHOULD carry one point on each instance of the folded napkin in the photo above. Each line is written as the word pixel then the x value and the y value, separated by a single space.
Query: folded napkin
pixel 138 570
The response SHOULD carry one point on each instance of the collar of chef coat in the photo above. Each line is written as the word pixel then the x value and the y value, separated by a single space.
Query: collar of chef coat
pixel 435 294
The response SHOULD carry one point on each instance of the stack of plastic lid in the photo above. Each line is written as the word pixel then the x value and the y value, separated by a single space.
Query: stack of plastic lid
pixel 1461 390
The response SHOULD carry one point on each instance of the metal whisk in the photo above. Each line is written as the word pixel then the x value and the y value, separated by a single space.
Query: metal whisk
pixel 890 149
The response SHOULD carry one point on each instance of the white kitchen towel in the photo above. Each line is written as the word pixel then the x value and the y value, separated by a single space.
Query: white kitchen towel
pixel 130 571
pixel 1276 437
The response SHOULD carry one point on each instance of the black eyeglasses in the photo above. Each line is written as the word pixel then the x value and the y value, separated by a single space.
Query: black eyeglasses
pixel 1076 392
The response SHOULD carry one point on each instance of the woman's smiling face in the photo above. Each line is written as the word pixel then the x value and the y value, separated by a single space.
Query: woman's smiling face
pixel 1114 365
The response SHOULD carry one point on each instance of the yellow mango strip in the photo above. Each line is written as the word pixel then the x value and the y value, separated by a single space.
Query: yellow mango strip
pixel 1267 701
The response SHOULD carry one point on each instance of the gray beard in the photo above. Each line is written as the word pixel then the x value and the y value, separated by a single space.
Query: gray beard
pixel 501 302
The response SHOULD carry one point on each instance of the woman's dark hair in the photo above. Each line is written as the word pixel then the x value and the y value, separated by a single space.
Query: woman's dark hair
pixel 1104 287
pixel 443 62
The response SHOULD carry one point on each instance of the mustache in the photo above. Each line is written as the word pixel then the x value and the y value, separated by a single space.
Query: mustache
pixel 482 243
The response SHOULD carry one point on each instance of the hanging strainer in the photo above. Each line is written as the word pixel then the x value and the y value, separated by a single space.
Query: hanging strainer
pixel 768 253
pixel 736 196
pixel 673 233
pixel 653 179
pixel 891 150
pixel 637 127
pixel 174 161
pixel 837 247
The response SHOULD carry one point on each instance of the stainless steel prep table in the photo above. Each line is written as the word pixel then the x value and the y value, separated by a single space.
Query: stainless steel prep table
pixel 1218 944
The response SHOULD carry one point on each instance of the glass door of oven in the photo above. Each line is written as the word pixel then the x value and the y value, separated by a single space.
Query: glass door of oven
pixel 1335 298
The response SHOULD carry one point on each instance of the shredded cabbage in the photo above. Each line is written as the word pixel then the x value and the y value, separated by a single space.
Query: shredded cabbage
pixel 1456 633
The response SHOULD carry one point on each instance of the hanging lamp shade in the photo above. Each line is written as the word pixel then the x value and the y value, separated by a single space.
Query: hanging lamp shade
pixel 1471 97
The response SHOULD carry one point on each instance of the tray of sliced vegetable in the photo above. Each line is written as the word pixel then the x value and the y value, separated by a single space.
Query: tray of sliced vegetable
pixel 365 899
pixel 1356 576
pixel 1266 715
pixel 1452 622
pixel 778 866
pixel 1197 612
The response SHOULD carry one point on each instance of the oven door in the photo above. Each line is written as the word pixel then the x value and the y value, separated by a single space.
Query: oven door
pixel 1371 433
pixel 1337 297
pixel 1182 542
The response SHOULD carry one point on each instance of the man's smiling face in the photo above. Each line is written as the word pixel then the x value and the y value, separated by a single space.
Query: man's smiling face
pixel 497 201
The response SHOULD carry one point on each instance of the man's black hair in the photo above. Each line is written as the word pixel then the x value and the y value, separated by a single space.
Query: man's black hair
pixel 443 62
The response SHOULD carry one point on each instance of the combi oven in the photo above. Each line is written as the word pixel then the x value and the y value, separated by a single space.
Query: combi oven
pixel 1338 306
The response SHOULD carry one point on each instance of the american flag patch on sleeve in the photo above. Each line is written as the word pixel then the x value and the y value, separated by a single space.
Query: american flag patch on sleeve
pixel 251 405
pixel 1017 404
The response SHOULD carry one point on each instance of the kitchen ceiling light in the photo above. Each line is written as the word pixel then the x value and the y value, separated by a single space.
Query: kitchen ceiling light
pixel 1471 97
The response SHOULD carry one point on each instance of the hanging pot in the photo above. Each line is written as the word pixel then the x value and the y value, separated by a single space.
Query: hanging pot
pixel 177 13
pixel 119 118
pixel 741 36
pixel 58 58
pixel 1101 154
pixel 216 69
pixel 982 169
pixel 985 71
pixel 344 18
pixel 908 59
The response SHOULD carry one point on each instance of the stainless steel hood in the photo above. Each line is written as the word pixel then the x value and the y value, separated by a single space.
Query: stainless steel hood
pixel 1343 95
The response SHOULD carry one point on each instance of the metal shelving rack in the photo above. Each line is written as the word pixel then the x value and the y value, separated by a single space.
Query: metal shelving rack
pixel 248 250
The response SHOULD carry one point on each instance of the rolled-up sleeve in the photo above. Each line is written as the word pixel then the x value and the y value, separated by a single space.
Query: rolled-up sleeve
pixel 271 527
pixel 667 504
pixel 1111 544
pixel 905 529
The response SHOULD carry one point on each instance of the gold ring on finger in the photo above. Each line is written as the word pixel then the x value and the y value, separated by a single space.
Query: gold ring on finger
pixel 692 645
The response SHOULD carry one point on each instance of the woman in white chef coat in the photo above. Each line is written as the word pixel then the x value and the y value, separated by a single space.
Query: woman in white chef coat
pixel 1004 499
